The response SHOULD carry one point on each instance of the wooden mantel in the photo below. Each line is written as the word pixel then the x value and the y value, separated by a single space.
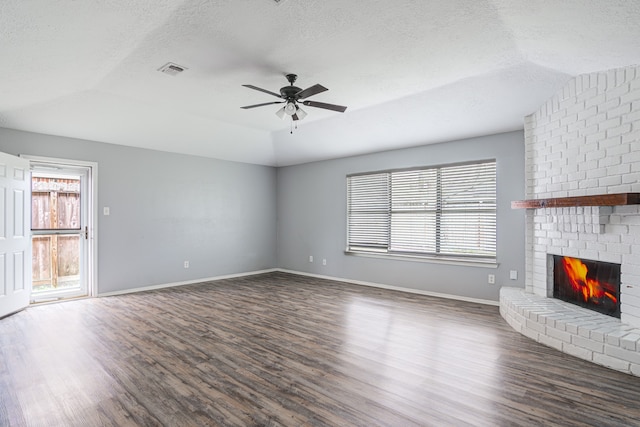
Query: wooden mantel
pixel 619 199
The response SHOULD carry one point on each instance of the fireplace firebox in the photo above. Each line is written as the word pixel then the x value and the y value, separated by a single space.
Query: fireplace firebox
pixel 591 284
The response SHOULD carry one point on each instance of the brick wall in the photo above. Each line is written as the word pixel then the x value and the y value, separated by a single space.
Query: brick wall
pixel 586 141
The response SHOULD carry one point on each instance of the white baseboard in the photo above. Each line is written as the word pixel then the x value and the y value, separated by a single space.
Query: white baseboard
pixel 187 282
pixel 394 288
pixel 301 273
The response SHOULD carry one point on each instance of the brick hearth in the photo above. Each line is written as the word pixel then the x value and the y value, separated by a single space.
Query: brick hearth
pixel 573 330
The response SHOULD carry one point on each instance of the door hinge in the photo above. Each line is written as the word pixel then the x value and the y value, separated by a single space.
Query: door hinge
pixel 86 232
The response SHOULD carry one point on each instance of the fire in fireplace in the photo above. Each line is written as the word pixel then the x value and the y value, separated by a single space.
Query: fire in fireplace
pixel 591 284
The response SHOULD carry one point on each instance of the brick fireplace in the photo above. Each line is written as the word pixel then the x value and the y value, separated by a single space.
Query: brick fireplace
pixel 585 141
pixel 600 233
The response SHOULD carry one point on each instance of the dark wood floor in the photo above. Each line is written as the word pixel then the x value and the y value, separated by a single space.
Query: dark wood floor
pixel 285 350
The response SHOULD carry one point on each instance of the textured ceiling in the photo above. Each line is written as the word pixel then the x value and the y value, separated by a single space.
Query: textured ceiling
pixel 411 72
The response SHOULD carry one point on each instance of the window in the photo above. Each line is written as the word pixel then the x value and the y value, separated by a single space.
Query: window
pixel 443 212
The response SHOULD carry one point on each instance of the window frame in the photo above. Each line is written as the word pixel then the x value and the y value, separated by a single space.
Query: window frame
pixel 447 258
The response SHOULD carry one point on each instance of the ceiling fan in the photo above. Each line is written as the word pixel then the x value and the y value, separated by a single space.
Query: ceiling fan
pixel 292 96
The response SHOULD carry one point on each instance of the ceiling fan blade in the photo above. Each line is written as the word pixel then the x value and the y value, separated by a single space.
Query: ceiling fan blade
pixel 310 91
pixel 262 90
pixel 333 107
pixel 263 104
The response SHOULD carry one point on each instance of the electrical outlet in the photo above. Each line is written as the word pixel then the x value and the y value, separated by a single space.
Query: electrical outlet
pixel 491 279
pixel 513 274
pixel 186 264
pixel 105 211
pixel 310 258
pixel 324 261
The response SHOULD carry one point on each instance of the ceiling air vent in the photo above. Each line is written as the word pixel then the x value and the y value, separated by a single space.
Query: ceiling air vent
pixel 172 69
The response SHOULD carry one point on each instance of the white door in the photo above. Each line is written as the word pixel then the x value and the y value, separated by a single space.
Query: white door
pixel 15 242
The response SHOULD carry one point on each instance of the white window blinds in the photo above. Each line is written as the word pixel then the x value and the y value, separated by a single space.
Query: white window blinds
pixel 447 211
pixel 369 212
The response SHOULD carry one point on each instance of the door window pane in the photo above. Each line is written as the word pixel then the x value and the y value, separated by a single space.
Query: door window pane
pixel 56 263
pixel 55 203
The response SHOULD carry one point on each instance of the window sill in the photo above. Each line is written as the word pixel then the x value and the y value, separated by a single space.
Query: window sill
pixel 433 260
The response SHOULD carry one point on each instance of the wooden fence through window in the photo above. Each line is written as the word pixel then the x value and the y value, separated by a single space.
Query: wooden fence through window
pixel 55 205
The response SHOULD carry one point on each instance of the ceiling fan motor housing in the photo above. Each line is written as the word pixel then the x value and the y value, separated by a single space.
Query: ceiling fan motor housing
pixel 289 92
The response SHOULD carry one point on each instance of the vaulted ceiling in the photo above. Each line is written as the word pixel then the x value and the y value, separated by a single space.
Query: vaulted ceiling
pixel 411 72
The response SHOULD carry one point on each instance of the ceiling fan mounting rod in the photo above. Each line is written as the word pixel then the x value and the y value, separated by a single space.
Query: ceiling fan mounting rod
pixel 291 78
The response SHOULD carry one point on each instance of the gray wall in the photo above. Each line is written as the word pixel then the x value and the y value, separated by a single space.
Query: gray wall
pixel 221 216
pixel 167 208
pixel 312 219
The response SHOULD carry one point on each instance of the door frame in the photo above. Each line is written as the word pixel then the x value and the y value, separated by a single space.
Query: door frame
pixel 92 210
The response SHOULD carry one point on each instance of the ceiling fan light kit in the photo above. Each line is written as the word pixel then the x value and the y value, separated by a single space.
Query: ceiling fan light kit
pixel 300 113
pixel 290 108
pixel 291 96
